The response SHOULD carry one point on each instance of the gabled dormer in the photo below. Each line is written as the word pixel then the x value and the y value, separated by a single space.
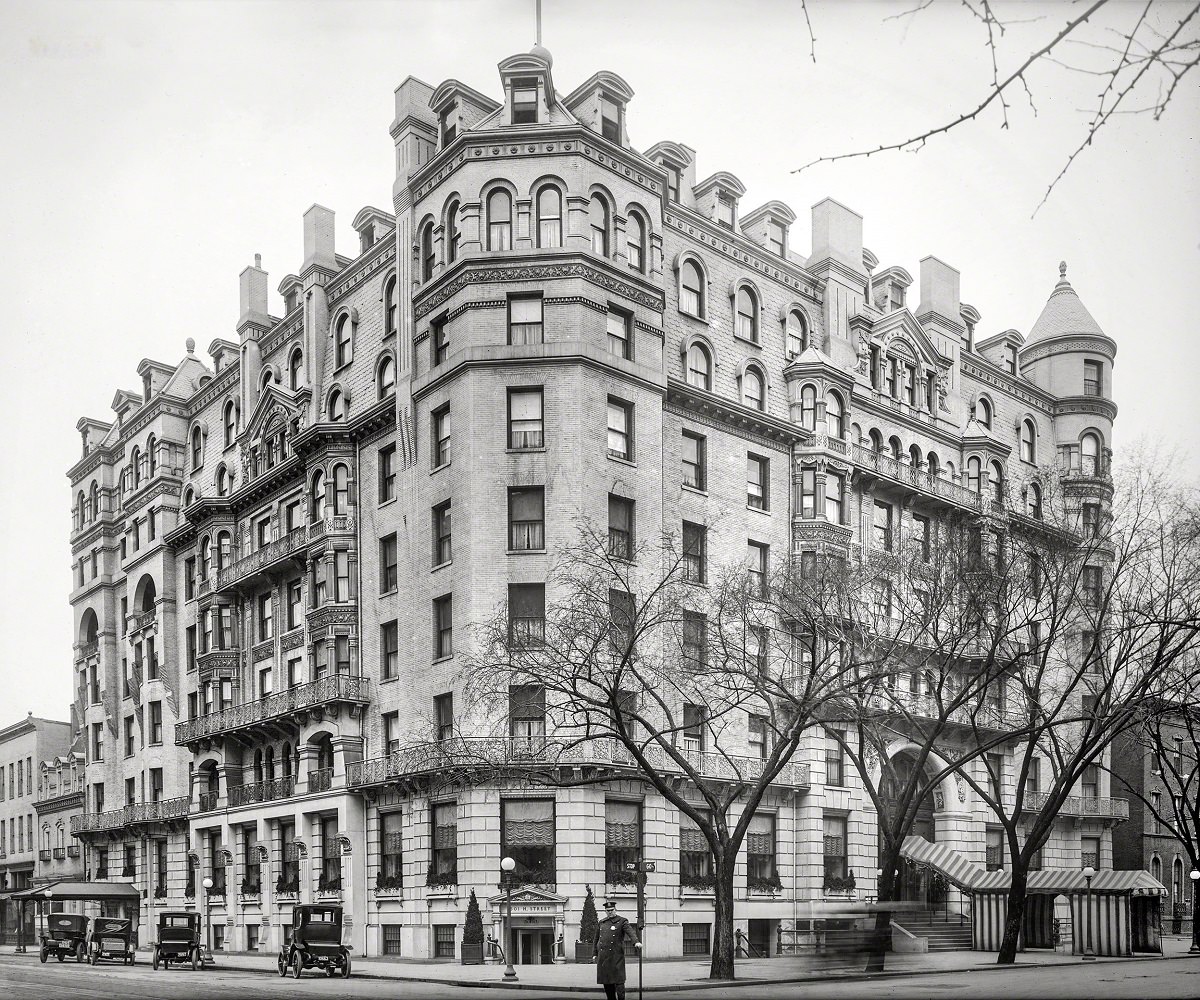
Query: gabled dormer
pixel 970 317
pixel 528 88
pixel 372 225
pixel 223 352
pixel 717 199
pixel 768 226
pixel 290 289
pixel 679 162
pixel 599 103
pixel 154 376
pixel 92 432
pixel 457 107
pixel 1002 349
pixel 125 403
pixel 889 289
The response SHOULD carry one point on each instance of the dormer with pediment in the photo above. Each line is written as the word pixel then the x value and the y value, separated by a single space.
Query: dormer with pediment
pixel 599 103
pixel 266 438
pixel 717 199
pixel 125 403
pixel 223 353
pixel 458 108
pixel 372 225
pixel 92 432
pixel 1001 350
pixel 768 226
pixel 290 289
pixel 154 375
pixel 679 162
pixel 900 361
pixel 889 289
pixel 528 88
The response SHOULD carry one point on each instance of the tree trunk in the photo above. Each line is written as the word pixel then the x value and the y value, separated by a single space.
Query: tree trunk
pixel 1015 917
pixel 723 951
pixel 889 888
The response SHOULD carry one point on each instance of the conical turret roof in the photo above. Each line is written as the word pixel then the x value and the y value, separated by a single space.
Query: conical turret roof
pixel 1063 314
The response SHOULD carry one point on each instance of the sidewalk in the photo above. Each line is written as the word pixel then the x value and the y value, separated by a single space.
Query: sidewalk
pixel 664 976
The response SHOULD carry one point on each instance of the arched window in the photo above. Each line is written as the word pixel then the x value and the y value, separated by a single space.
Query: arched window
pixel 258 765
pixel 229 422
pixel 797 332
pixel 285 758
pixel 296 368
pixel 983 411
pixel 996 476
pixel 934 463
pixel 499 217
pixel 1089 448
pixel 549 217
pixel 427 258
pixel 387 377
pixel 635 242
pixel 753 391
pixel 699 367
pixel 452 234
pixel 81 512
pixel 1156 868
pixel 205 558
pixel 94 502
pixel 266 378
pixel 598 221
pixel 808 408
pixel 974 475
pixel 341 489
pixel 269 764
pixel 835 416
pixel 316 497
pixel 343 352
pixel 337 405
pixel 747 314
pixel 390 310
pixel 151 456
pixel 222 481
pixel 135 463
pixel 896 447
pixel 876 441
pixel 914 456
pixel 1028 442
pixel 1033 501
pixel 1177 879
pixel 189 497
pixel 691 289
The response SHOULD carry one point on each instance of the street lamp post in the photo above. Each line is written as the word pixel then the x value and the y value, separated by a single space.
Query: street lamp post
pixel 207 882
pixel 507 865
pixel 1089 873
pixel 1195 948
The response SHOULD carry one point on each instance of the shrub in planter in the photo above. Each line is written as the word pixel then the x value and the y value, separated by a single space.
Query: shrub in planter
pixel 763 883
pixel 835 884
pixel 589 924
pixel 472 939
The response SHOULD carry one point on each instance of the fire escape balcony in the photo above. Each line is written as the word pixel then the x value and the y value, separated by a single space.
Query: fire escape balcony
pixel 516 753
pixel 887 470
pixel 251 567
pixel 325 696
pixel 130 816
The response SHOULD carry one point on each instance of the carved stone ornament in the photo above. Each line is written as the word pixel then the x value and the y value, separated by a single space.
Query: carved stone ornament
pixel 942 387
pixel 939 800
pixel 864 356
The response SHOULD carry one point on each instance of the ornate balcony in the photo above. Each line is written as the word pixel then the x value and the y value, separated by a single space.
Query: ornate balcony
pixel 60 853
pixel 324 695
pixel 1079 807
pixel 135 814
pixel 87 651
pixel 517 753
pixel 262 791
pixel 73 851
pixel 887 468
pixel 250 566
pixel 44 854
pixel 143 621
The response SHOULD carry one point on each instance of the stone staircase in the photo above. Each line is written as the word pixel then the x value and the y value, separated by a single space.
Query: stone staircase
pixel 942 935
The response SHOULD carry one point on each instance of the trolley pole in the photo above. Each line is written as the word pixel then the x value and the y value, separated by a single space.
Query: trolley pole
pixel 641 868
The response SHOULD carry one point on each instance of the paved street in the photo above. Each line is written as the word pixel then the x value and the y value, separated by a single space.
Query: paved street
pixel 23 978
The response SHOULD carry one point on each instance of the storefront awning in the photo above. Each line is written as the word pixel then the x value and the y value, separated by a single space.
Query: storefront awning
pixel 79 891
pixel 1070 882
pixel 958 870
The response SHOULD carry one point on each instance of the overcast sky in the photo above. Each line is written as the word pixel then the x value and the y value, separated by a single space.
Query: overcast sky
pixel 151 149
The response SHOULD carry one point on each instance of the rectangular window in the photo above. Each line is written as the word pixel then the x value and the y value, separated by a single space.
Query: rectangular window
pixel 445 838
pixel 695 640
pixel 318 584
pixel 995 767
pixel 443 713
pixel 1093 378
pixel 621 614
pixel 387 473
pixel 527 836
pixel 696 939
pixel 391 859
pixel 1092 586
pixel 1089 851
pixel 526 614
pixel 448 123
pixel 756 735
pixel 189 581
pixel 724 211
pixel 524 109
pixel 693 461
pixel 693 727
pixel 439 424
pixel 835 762
pixel 776 238
pixel 341 654
pixel 389 564
pixel 808 492
pixel 295 596
pixel 674 178
pixel 389 649
pixel 760 849
pixel 293 671
pixel 834 847
pixel 620 333
pixel 758 482
pixel 1090 783
pixel 525 319
pixel 527 713
pixel 622 838
pixel 758 567
pixel 443 626
pixel 620 429
pixel 921 528
pixel 526 518
pixel 694 552
pixel 995 849
pixel 1091 520
pixel 835 493
pixel 442 550
pixel 610 119
pixel 695 858
pixel 439 341
pixel 1033 778
pixel 620 527
pixel 443 940
pixel 390 725
pixel 266 626
pixel 266 682
pixel 883 526
pixel 341 575
pixel 262 533
pixel 292 515
pixel 525 419
pixel 129 736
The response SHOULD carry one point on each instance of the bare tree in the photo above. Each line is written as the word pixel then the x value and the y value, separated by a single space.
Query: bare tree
pixel 1137 54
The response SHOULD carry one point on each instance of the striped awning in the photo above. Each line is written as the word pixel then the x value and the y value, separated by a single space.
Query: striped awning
pixel 1070 881
pixel 957 869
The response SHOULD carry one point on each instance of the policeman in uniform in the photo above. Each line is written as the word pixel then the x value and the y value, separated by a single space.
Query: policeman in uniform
pixel 608 950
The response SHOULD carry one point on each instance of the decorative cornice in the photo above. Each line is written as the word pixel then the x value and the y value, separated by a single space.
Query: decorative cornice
pixel 374 260
pixel 1098 406
pixel 157 407
pixel 1067 343
pixel 222 382
pixel 487 270
pixel 91 462
pixel 991 374
pixel 769 432
pixel 160 485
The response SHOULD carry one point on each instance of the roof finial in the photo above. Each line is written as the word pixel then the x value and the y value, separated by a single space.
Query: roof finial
pixel 258 260
pixel 1062 268
pixel 190 344
pixel 538 4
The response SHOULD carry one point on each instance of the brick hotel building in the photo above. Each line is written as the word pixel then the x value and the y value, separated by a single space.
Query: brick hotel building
pixel 280 547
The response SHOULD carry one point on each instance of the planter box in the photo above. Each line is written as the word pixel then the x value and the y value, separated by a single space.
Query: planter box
pixel 583 952
pixel 472 954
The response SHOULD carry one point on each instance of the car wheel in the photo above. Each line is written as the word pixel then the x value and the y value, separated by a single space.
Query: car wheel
pixel 154 960
pixel 297 965
pixel 42 954
pixel 346 966
pixel 282 963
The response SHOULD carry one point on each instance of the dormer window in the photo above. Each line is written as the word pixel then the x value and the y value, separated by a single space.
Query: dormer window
pixel 610 119
pixel 674 178
pixel 291 300
pixel 725 211
pixel 448 123
pixel 366 240
pixel 777 238
pixel 524 102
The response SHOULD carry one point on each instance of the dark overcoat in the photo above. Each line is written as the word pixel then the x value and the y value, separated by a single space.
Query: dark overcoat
pixel 608 949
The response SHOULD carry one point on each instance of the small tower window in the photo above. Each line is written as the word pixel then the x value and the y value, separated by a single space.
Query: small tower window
pixel 610 119
pixel 524 102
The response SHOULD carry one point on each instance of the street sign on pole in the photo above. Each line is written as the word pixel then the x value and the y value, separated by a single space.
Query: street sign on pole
pixel 641 868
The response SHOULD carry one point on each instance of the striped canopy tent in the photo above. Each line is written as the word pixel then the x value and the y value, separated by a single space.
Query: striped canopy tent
pixel 1069 881
pixel 957 870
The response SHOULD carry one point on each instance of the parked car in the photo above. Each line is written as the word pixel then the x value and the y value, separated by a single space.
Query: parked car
pixel 65 936
pixel 111 938
pixel 316 942
pixel 178 939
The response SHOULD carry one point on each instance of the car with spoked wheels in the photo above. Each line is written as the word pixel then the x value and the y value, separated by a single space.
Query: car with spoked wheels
pixel 178 940
pixel 316 942
pixel 65 937
pixel 111 939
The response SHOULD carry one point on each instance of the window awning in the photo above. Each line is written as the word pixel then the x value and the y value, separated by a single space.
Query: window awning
pixel 79 891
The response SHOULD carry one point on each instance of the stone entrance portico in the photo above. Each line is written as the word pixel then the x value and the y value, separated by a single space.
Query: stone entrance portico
pixel 537 914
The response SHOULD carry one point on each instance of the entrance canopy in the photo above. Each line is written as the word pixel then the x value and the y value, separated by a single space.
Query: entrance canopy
pixel 958 870
pixel 78 891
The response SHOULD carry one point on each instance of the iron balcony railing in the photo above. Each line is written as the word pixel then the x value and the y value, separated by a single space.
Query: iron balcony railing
pixel 44 854
pixel 320 779
pixel 515 751
pixel 1083 806
pixel 908 475
pixel 262 791
pixel 130 815
pixel 208 801
pixel 336 687
pixel 60 853
pixel 143 620
pixel 73 851
pixel 252 562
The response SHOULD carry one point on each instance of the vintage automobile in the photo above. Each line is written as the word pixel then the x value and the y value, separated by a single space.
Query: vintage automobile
pixel 316 942
pixel 65 936
pixel 111 938
pixel 178 939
